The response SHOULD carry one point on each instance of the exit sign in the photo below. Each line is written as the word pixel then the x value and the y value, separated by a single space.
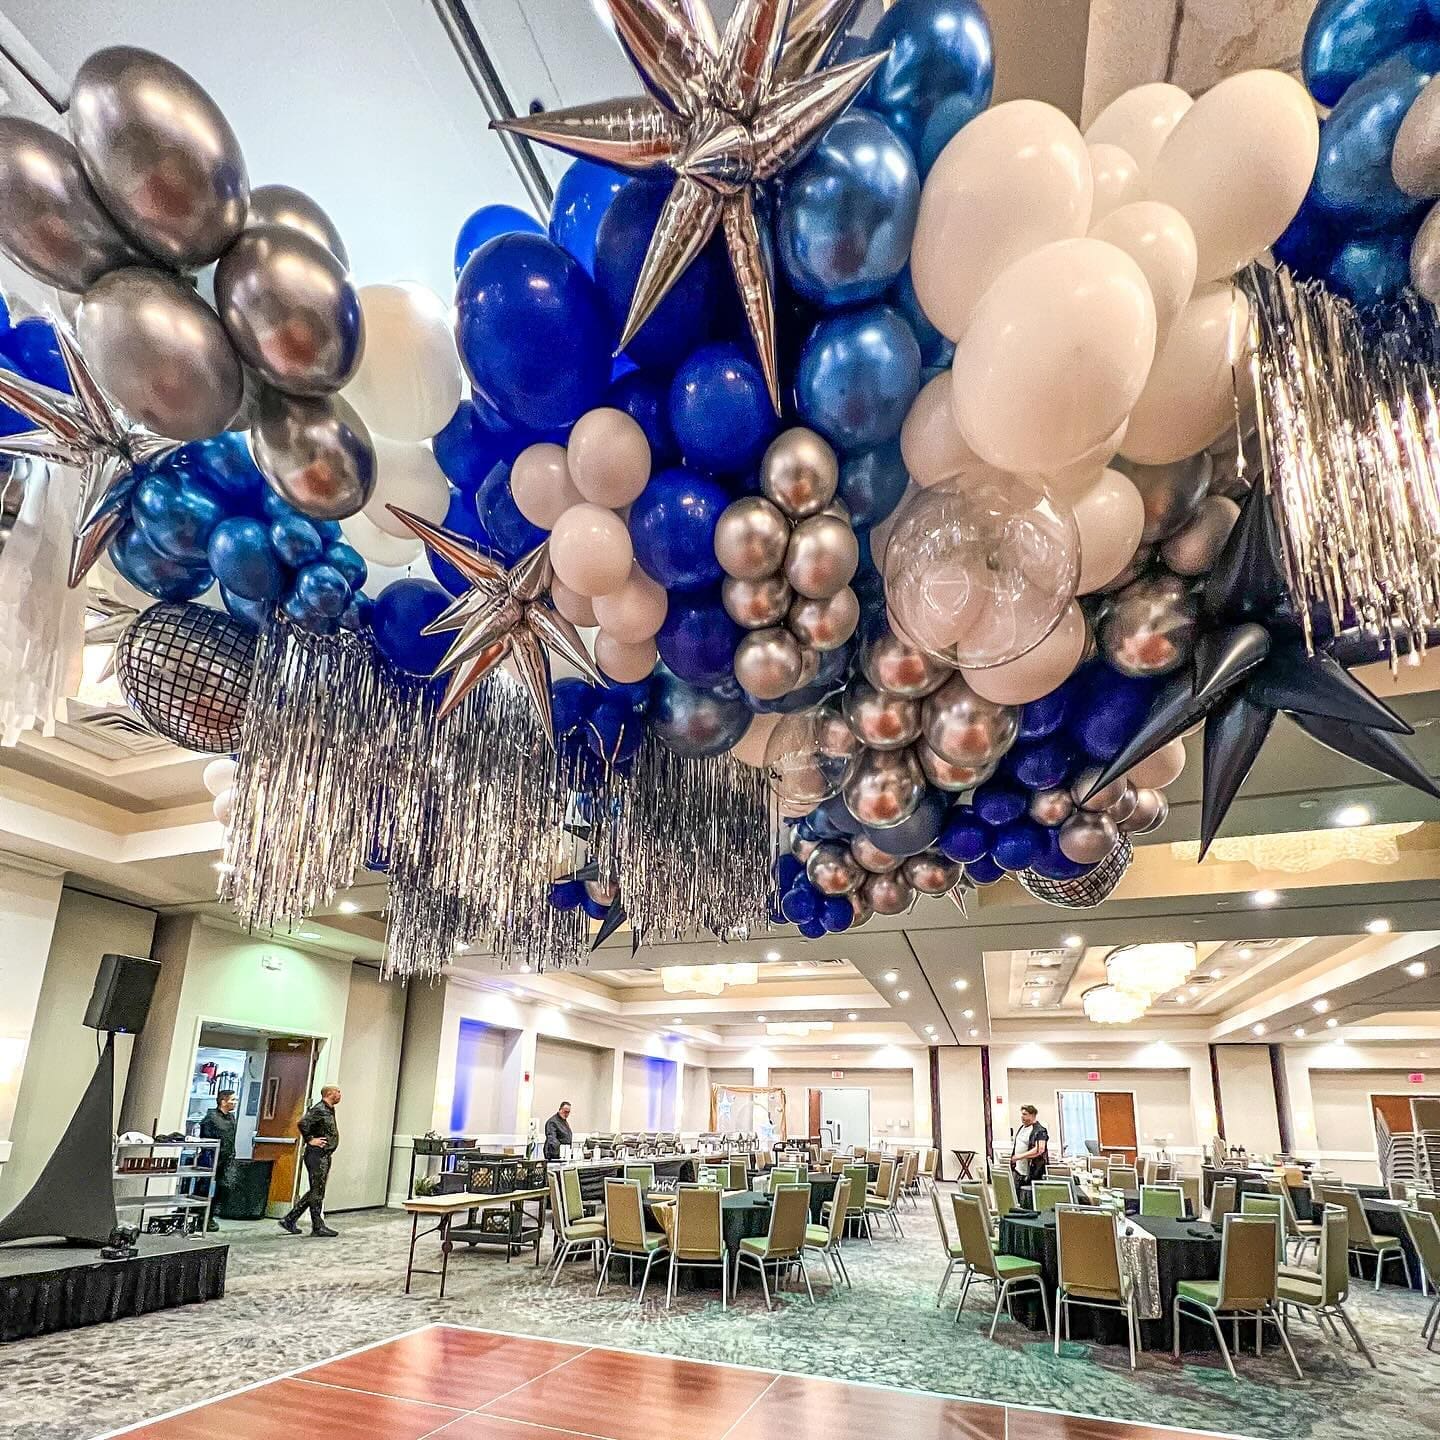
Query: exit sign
pixel 1415 1078
pixel 840 1075
pixel 1092 1075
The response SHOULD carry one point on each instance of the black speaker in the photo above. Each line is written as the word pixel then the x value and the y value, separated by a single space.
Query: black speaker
pixel 121 998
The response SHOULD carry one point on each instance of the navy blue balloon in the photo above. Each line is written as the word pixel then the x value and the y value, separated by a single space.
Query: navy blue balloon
pixel 720 411
pixel 997 803
pixel 225 464
pixel 582 197
pixel 872 482
pixel 176 519
pixel 571 702
pixel 1053 863
pixel 357 613
pixel 806 830
pixel 567 894
pixel 595 909
pixel 616 729
pixel 847 213
pixel 1018 843
pixel 533 331
pixel 467 449
pixel 1353 185
pixel 156 574
pixel 253 613
pixel 787 871
pixel 1308 243
pixel 243 561
pixel 1042 764
pixel 682 320
pixel 1371 269
pixel 33 347
pixel 401 611
pixel 645 397
pixel 859 373
pixel 500 520
pixel 939 73
pixel 488 222
pixel 984 871
pixel 4 314
pixel 349 562
pixel 812 929
pixel 916 833
pixel 837 812
pixel 672 525
pixel 823 827
pixel 1044 716
pixel 1345 38
pixel 964 837
pixel 322 590
pixel 296 541
pixel 801 903
pixel 1109 710
pixel 836 914
pixel 692 720
pixel 697 641
pixel 935 349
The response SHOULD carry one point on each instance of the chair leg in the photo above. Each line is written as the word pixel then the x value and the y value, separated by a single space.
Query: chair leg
pixel 964 1291
pixel 765 1286
pixel 1175 1327
pixel 944 1281
pixel 1130 1328
pixel 670 1284
pixel 1360 1345
pixel 1220 1337
pixel 1285 1341
pixel 1061 1313
pixel 724 1282
pixel 805 1275
pixel 604 1269
pixel 1044 1305
pixel 999 1301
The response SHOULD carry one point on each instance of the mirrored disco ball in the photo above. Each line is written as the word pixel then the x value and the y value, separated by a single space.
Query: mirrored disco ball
pixel 185 671
pixel 1089 890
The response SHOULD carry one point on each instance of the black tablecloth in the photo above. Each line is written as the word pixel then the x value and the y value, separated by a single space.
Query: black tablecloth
pixel 1256 1182
pixel 1179 1256
pixel 1386 1219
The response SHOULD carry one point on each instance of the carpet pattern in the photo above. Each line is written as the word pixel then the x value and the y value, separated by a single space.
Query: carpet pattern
pixel 293 1301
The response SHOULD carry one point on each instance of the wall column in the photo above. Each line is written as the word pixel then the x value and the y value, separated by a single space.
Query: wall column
pixel 525 1050
pixel 617 1088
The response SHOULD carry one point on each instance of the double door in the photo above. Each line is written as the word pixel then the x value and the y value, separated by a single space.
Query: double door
pixel 284 1096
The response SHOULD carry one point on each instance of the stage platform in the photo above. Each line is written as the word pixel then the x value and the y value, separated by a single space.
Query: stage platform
pixel 44 1288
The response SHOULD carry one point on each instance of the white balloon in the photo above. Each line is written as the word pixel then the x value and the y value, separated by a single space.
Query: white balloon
pixel 1073 480
pixel 609 457
pixel 408 384
pixel 1117 180
pixel 1038 671
pixel 930 441
pixel 1140 122
pixel 1055 356
pixel 1162 768
pixel 624 662
pixel 591 550
pixel 407 476
pixel 1158 238
pixel 219 774
pixel 749 749
pixel 223 806
pixel 1110 516
pixel 541 486
pixel 1015 178
pixel 1189 399
pixel 379 547
pixel 1238 165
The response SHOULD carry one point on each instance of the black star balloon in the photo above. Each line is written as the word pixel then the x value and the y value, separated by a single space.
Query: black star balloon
pixel 1250 664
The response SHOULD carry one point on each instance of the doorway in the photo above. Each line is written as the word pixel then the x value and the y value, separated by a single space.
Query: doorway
pixel 840 1116
pixel 1097 1122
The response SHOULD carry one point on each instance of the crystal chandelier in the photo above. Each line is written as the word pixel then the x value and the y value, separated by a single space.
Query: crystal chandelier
pixel 707 979
pixel 798 1027
pixel 1302 851
pixel 1107 1005
pixel 1146 971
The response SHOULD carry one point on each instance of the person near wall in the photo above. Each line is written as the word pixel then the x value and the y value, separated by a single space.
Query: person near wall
pixel 1032 1141
pixel 321 1134
pixel 558 1132
pixel 220 1124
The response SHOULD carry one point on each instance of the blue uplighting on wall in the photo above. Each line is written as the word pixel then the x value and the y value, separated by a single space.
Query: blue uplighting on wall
pixel 468 1068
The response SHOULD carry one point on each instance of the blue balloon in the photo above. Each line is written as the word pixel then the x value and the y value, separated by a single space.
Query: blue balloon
pixel 1109 710
pixel 176 519
pixel 225 464
pixel 1345 38
pixel 33 347
pixel 837 812
pixel 682 320
pixel 357 613
pixel 156 574
pixel 488 222
pixel 349 562
pixel 916 833
pixel 467 449
pixel 1018 844
pixel 720 411
pixel 12 422
pixel 997 803
pixel 1042 764
pixel 243 562
pixel 935 349
pixel 595 909
pixel 645 398
pixel 616 730
pixel 812 929
pixel 847 213
pixel 1053 863
pixel 296 541
pixel 1353 185
pixel 801 903
pixel 965 837
pixel 253 613
pixel 500 520
pixel 859 373
pixel 836 914
pixel 823 827
pixel 567 894
pixel 787 871
pixel 581 199
pixel 672 524
pixel 938 75
pixel 984 871
pixel 533 332
pixel 692 720
pixel 4 314
pixel 872 482
pixel 1308 243
pixel 1044 716
pixel 402 610
pixel 571 701
pixel 697 641
pixel 1371 268
pixel 322 590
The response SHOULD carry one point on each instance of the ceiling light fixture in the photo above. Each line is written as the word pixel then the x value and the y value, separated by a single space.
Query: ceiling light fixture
pixel 902 994
pixel 1264 897
pixel 929 1029
pixel 707 979
pixel 1148 970
pixel 772 955
pixel 1217 974
pixel 853 1015
pixel 759 1019
pixel 1110 1005
pixel 676 1020
pixel 1074 941
pixel 1245 953
pixel 969 1014
pixel 348 907
pixel 1378 926
pixel 962 984
pixel 1331 1023
pixel 1416 970
pixel 1299 1032
pixel 1257 1029
pixel 890 976
pixel 973 1032
pixel 1349 816
pixel 1320 1006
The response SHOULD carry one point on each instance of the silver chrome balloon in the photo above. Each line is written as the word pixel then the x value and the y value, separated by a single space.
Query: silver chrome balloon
pixel 1195 549
pixel 1172 493
pixel 954 778
pixel 1124 807
pixel 961 727
pixel 1051 807
pixel 884 787
pixel 1151 627
pixel 1425 257
pixel 871 857
pixel 291 310
pixel 834 739
pixel 801 848
pixel 930 872
pixel 161 353
pixel 809 667
pixel 861 909
pixel 160 155
pixel 285 205
pixel 315 453
pixel 1415 157
pixel 52 224
pixel 1087 838
pixel 755 604
pixel 1101 799
pixel 883 722
pixel 832 870
pixel 823 557
pixel 890 894
pixel 1152 809
pixel 767 663
pixel 892 665
pixel 825 624
pixel 751 538
pixel 799 473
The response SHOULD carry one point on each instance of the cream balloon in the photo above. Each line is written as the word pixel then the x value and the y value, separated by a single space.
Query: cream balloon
pixel 575 607
pixel 623 662
pixel 930 441
pixel 407 476
pixel 1015 178
pixel 635 610
pixel 223 806
pixel 1057 353
pixel 219 774
pixel 1238 165
pixel 1110 516
pixel 1073 480
pixel 1162 768
pixel 541 484
pixel 1158 238
pixel 408 384
pixel 590 549
pixel 378 546
pixel 880 534
pixel 1189 398
pixel 1117 180
pixel 749 749
pixel 1038 671
pixel 609 457
pixel 1140 122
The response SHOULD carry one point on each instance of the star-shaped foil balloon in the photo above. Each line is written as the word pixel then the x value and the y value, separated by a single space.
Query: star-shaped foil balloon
pixel 725 114
pixel 504 615
pixel 1250 663
pixel 88 430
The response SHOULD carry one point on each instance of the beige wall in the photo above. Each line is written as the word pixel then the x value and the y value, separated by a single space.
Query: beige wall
pixel 892 1098
pixel 1342 1108
pixel 962 1106
pixel 695 1106
pixel 369 1061
pixel 577 1073
pixel 1162 1100
pixel 1247 1097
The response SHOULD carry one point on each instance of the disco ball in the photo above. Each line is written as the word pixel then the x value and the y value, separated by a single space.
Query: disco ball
pixel 1089 890
pixel 185 671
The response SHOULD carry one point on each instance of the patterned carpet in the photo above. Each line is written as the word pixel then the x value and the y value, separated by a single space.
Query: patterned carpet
pixel 291 1301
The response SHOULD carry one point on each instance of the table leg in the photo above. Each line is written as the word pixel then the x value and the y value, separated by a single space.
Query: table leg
pixel 539 1226
pixel 444 1251
pixel 410 1263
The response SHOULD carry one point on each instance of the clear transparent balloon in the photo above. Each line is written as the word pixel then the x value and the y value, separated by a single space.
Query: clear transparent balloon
pixel 809 755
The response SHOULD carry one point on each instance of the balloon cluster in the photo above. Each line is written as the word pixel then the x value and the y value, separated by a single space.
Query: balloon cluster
pixel 219 780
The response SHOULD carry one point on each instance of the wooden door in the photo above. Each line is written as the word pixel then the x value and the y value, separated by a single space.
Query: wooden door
pixel 813 1119
pixel 1115 1110
pixel 284 1094
pixel 1396 1111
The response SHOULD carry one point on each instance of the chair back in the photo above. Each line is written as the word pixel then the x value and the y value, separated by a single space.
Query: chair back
pixel 859 1178
pixel 1047 1194
pixel 1293 1176
pixel 1252 1204
pixel 1361 1236
pixel 698 1230
pixel 1424 1231
pixel 1281 1191
pixel 1191 1187
pixel 558 1221
pixel 784 1175
pixel 1320 1181
pixel 1142 1168
pixel 928 1162
pixel 912 1168
pixel 874 1157
pixel 1089 1244
pixel 974 1234
pixel 624 1215
pixel 1248 1248
pixel 1428 1202
pixel 884 1180
pixel 789 1215
pixel 710 1175
pixel 825 1158
pixel 1125 1178
pixel 1161 1172
pixel 644 1174
pixel 838 1209
pixel 573 1201
pixel 977 1189
pixel 739 1178
pixel 897 1178
pixel 1002 1181
pixel 1334 1254
pixel 1165 1200
pixel 837 1165
pixel 1222 1200
pixel 939 1210
pixel 1057 1172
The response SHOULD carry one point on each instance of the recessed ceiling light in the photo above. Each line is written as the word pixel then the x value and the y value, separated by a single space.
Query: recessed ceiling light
pixel 1350 815
pixel 1378 926
pixel 973 1032
pixel 1416 969
pixel 929 1029
pixel 772 954
pixel 1245 953
pixel 1338 1040
pixel 1320 1006
pixel 1217 974
pixel 853 1015
pixel 1299 1032
pixel 890 976
pixel 676 1020
pixel 1331 1023
pixel 760 1019
pixel 902 994
pixel 962 984
pixel 969 1014
pixel 1193 991
pixel 1264 897
pixel 1257 1029
pixel 348 907
pixel 1180 998
pixel 1074 941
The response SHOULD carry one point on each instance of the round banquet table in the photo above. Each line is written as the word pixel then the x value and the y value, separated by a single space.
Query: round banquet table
pixel 1179 1256
pixel 822 1188
pixel 742 1214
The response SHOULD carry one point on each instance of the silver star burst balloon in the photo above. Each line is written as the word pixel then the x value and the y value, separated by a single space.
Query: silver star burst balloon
pixel 88 430
pixel 725 114
pixel 504 615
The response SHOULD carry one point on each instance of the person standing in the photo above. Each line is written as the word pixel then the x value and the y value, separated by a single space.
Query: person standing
pixel 1032 1141
pixel 558 1132
pixel 220 1124
pixel 321 1135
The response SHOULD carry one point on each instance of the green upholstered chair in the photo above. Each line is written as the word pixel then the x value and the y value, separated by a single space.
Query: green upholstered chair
pixel 1164 1200
pixel 981 1192
pixel 1002 1183
pixel 785 1175
pixel 1424 1231
pixel 1124 1178
pixel 573 1235
pixel 954 1253
pixel 884 1200
pixel 1323 1292
pixel 575 1209
pixel 827 1239
pixel 643 1174
pixel 1363 1240
pixel 1222 1201
pixel 783 1245
pixel 699 1237
pixel 626 1237
pixel 854 1207
pixel 1047 1194
pixel 1091 1274
pixel 1007 1273
pixel 1252 1204
pixel 1300 1234
pixel 1246 1287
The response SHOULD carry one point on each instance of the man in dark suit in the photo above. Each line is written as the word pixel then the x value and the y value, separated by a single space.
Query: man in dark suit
pixel 321 1135
pixel 219 1124
pixel 558 1132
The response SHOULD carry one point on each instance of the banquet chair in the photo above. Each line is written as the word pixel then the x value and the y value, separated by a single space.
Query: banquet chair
pixel 1058 1172
pixel 977 1189
pixel 1164 1200
pixel 1222 1200
pixel 825 1158
pixel 573 1233
pixel 699 1238
pixel 1162 1172
pixel 1091 1272
pixel 1252 1204
pixel 1245 1290
pixel 1320 1181
pixel 1124 1178
pixel 626 1237
pixel 644 1174
pixel 886 1198
pixel 575 1206
pixel 954 1252
pixel 1424 1231
pixel 783 1245
pixel 854 1207
pixel 1301 1235
pixel 1323 1292
pixel 1007 1273
pixel 739 1175
pixel 1002 1182
pixel 929 1163
pixel 910 1177
pixel 1142 1168
pixel 826 1239
pixel 1363 1240
pixel 1192 1187
pixel 881 1183
pixel 838 1164
pixel 785 1175
pixel 1047 1194
pixel 709 1175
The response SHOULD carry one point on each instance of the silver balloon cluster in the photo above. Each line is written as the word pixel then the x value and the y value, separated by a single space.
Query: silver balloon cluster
pixel 789 555
pixel 1091 826
pixel 151 188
